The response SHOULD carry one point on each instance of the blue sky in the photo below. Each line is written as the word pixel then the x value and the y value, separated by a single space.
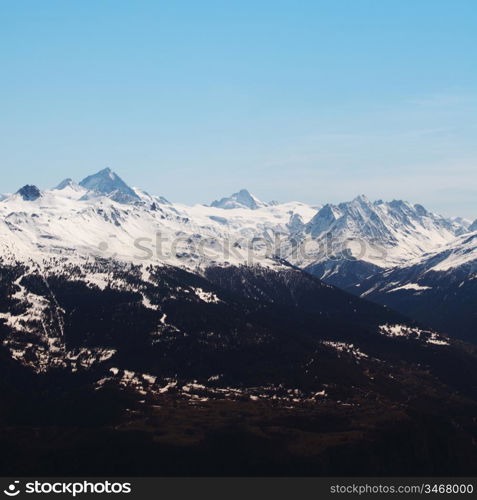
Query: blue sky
pixel 315 100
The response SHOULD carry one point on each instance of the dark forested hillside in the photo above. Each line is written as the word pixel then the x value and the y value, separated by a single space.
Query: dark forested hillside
pixel 238 370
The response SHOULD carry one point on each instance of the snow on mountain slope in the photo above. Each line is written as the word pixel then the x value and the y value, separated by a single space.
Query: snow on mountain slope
pixel 462 223
pixel 460 253
pixel 74 222
pixel 103 216
pixel 438 289
pixel 363 236
pixel 68 183
pixel 459 258
pixel 70 189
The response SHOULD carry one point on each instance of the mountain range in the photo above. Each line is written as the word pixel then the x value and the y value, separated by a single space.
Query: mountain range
pixel 373 249
pixel 134 331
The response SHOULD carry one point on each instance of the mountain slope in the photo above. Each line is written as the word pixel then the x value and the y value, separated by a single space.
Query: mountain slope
pixel 346 243
pixel 341 244
pixel 439 289
pixel 134 330
pixel 77 223
pixel 354 245
pixel 160 361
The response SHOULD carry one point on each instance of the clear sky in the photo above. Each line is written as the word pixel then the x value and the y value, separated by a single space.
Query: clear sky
pixel 315 100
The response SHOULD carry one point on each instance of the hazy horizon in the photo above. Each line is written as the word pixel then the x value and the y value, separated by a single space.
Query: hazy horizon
pixel 317 203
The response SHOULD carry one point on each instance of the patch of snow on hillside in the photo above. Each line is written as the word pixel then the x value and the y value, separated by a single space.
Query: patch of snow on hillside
pixel 207 296
pixel 411 286
pixel 345 348
pixel 412 332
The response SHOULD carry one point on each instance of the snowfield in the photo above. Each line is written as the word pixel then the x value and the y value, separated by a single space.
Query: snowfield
pixel 102 217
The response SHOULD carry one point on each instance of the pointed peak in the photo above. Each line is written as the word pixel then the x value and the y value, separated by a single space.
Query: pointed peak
pixel 420 210
pixel 107 172
pixel 399 204
pixel 328 212
pixel 362 198
pixel 107 182
pixel 324 219
pixel 29 192
pixel 240 199
pixel 65 184
pixel 296 222
pixel 328 207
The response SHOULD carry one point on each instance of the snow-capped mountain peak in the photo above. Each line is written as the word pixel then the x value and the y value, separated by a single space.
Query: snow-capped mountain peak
pixel 67 183
pixel 362 199
pixel 323 220
pixel 29 192
pixel 473 226
pixel 104 212
pixel 365 235
pixel 69 189
pixel 241 199
pixel 107 182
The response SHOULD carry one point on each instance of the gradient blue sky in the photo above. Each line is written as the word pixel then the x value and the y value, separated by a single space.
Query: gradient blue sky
pixel 315 100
